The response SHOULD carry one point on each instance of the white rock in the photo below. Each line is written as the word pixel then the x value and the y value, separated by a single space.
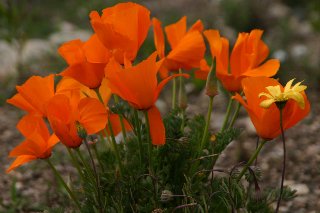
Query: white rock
pixel 68 32
pixel 8 59
pixel 35 49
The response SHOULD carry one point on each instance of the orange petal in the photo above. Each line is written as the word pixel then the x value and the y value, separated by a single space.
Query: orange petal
pixel 158 37
pixel 18 101
pixel 89 74
pixel 20 160
pixel 72 51
pixel 92 115
pixel 197 26
pixel 204 70
pixel 95 51
pixel 157 130
pixel 37 91
pixel 187 53
pixel 176 31
pixel 215 42
pixel 30 123
pixel 137 84
pixel 268 69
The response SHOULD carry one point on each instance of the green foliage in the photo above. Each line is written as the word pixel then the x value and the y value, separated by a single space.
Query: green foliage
pixel 180 177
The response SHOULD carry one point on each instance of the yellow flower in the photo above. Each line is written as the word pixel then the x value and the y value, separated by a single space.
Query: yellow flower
pixel 276 95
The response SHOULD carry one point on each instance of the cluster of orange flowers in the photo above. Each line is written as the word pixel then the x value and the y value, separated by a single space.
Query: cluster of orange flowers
pixel 104 65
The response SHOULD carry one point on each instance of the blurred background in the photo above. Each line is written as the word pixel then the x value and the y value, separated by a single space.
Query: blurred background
pixel 32 30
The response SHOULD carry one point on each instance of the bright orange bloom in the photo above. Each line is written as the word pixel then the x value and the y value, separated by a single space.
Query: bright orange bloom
pixel 187 47
pixel 139 86
pixel 34 94
pixel 38 143
pixel 66 114
pixel 267 121
pixel 86 60
pixel 69 86
pixel 122 29
pixel 247 56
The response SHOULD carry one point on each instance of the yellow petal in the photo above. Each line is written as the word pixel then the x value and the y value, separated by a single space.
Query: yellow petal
pixel 297 97
pixel 288 86
pixel 275 91
pixel 267 103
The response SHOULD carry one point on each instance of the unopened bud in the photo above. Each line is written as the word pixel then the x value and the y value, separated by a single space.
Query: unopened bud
pixel 211 84
pixel 82 132
pixel 166 196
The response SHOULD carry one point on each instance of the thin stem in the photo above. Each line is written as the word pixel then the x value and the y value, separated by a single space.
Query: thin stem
pixel 174 91
pixel 235 116
pixel 96 176
pixel 57 174
pixel 253 157
pixel 123 129
pixel 226 118
pixel 257 144
pixel 85 164
pixel 75 163
pixel 115 147
pixel 136 117
pixel 98 156
pixel 148 140
pixel 205 132
pixel 284 160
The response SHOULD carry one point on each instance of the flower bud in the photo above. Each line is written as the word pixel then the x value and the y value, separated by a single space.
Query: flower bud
pixel 82 132
pixel 166 196
pixel 211 84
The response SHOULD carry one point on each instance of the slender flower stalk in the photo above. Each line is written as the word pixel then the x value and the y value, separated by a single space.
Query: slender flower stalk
pixel 206 128
pixel 101 209
pixel 251 160
pixel 284 159
pixel 149 141
pixel 174 91
pixel 137 122
pixel 115 147
pixel 58 176
pixel 75 163
pixel 227 115
pixel 235 116
pixel 123 129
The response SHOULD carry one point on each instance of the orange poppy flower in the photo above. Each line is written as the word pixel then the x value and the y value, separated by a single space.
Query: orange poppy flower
pixel 65 114
pixel 38 143
pixel 34 94
pixel 86 60
pixel 122 29
pixel 139 86
pixel 68 86
pixel 267 121
pixel 187 47
pixel 246 59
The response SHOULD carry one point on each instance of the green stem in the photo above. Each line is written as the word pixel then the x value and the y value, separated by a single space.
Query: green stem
pixel 115 147
pixel 206 128
pixel 149 141
pixel 96 176
pixel 284 159
pixel 123 128
pixel 75 163
pixel 226 118
pixel 98 156
pixel 57 174
pixel 235 115
pixel 253 157
pixel 84 162
pixel 174 91
pixel 136 117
